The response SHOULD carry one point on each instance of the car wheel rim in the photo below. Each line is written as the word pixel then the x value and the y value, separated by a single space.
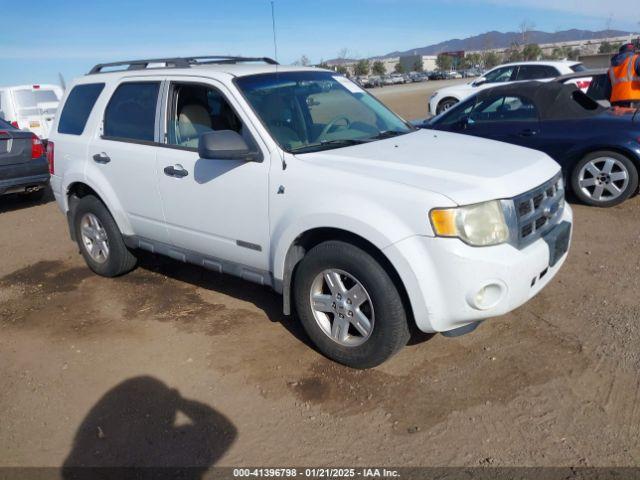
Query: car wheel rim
pixel 603 179
pixel 342 307
pixel 94 238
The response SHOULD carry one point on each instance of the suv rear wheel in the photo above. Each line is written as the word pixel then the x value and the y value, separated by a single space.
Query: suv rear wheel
pixel 100 240
pixel 349 305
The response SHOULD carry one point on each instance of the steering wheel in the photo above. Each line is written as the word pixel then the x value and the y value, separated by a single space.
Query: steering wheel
pixel 334 121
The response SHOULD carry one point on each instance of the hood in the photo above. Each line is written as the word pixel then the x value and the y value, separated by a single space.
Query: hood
pixel 465 169
pixel 464 89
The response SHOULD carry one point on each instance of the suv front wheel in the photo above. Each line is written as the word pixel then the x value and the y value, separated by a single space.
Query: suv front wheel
pixel 100 240
pixel 349 306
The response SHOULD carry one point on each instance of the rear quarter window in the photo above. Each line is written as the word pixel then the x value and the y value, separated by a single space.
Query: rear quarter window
pixel 78 107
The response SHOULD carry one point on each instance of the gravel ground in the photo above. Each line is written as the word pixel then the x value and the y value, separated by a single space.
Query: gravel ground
pixel 173 365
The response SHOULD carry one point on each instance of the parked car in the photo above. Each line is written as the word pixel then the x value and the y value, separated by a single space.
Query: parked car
pixel 397 78
pixel 512 72
pixel 437 75
pixel 23 165
pixel 372 81
pixel 598 148
pixel 30 107
pixel 388 80
pixel 296 178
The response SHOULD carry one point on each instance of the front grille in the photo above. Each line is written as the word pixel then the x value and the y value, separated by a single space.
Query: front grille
pixel 538 210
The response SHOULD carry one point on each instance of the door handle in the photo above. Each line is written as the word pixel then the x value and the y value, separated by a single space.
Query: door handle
pixel 528 132
pixel 101 158
pixel 177 171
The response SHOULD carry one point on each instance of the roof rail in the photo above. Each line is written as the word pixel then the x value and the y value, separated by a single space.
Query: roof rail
pixel 179 62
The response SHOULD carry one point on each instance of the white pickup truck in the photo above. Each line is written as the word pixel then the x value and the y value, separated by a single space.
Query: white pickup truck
pixel 298 179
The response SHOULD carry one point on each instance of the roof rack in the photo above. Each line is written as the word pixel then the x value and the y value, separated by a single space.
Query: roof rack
pixel 179 62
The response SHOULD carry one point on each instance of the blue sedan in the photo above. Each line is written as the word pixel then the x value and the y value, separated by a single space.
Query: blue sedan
pixel 598 148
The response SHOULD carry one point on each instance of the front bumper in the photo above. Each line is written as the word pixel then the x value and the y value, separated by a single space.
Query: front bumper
pixel 16 178
pixel 451 284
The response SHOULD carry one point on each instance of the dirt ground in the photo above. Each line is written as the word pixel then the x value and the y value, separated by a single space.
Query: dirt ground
pixel 173 365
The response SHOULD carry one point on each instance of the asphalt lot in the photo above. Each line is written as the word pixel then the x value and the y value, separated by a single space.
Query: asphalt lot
pixel 173 365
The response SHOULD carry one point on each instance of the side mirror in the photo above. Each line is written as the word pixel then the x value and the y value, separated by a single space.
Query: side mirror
pixel 479 81
pixel 223 145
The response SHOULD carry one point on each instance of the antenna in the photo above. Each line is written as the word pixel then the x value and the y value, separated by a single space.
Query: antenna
pixel 275 53
pixel 273 24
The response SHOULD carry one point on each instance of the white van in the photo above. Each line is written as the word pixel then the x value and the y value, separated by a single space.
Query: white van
pixel 30 107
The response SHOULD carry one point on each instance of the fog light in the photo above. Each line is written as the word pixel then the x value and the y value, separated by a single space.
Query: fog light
pixel 488 296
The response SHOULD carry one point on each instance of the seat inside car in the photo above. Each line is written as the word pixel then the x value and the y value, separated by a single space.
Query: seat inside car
pixel 193 120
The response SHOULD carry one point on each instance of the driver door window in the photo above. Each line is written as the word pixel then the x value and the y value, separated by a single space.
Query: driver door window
pixel 504 109
pixel 500 75
pixel 197 109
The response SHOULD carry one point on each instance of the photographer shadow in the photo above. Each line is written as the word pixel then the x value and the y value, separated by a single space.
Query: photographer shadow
pixel 143 429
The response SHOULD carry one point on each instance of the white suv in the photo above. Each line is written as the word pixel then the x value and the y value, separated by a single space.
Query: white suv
pixel 298 179
pixel 447 97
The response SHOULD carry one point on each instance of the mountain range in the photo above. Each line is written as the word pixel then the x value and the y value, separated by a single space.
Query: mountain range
pixel 495 39
pixel 498 40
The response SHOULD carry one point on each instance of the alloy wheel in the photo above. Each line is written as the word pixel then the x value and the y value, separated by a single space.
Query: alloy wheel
pixel 603 179
pixel 94 238
pixel 342 307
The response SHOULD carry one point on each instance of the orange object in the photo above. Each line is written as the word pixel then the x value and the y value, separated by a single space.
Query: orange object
pixel 625 82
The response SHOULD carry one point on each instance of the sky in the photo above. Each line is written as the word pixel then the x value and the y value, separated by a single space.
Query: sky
pixel 41 39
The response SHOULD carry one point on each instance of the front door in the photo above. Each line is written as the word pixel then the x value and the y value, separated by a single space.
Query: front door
pixel 213 207
pixel 511 119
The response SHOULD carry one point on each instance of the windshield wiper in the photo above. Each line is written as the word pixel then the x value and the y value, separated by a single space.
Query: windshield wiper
pixel 387 134
pixel 337 143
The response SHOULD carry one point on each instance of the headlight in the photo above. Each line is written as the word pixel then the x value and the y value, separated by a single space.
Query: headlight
pixel 479 225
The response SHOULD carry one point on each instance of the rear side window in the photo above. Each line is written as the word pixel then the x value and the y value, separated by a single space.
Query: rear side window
pixel 578 67
pixel 78 107
pixel 536 72
pixel 131 113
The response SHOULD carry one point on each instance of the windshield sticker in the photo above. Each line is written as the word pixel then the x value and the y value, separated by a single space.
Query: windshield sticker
pixel 348 84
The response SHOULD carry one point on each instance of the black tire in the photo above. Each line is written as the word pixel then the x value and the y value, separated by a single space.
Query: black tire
pixel 119 260
pixel 445 104
pixel 623 162
pixel 390 327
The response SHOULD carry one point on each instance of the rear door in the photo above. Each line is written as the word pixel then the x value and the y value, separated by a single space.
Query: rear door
pixel 15 146
pixel 536 72
pixel 122 155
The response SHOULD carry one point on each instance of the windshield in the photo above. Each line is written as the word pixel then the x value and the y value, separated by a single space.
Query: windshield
pixel 311 111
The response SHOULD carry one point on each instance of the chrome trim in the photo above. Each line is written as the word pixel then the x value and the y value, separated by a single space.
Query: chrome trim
pixel 534 213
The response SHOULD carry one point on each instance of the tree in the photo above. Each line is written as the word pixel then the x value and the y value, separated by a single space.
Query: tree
pixel 473 60
pixel 379 68
pixel 531 51
pixel 398 68
pixel 525 28
pixel 606 47
pixel 362 67
pixel 490 59
pixel 444 62
pixel 303 61
pixel 513 54
pixel 341 69
pixel 418 66
pixel 324 65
